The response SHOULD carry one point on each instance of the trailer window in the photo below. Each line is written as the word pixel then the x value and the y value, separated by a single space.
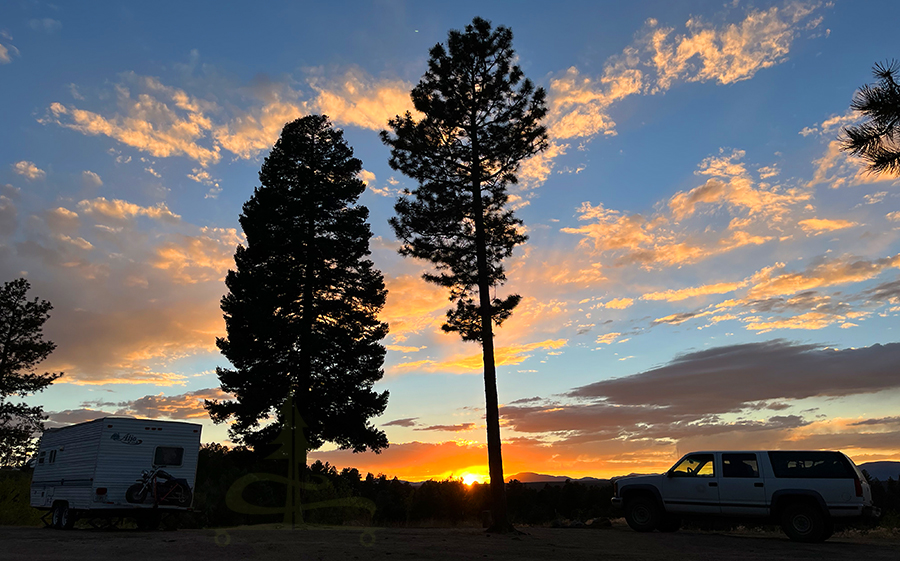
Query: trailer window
pixel 52 456
pixel 41 457
pixel 168 456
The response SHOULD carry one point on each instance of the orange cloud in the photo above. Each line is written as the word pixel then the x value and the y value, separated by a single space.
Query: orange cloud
pixel 202 258
pixel 819 225
pixel 730 54
pixel 412 306
pixel 685 293
pixel 132 346
pixel 648 243
pixel 61 220
pixel 123 210
pixel 767 282
pixel 358 99
pixel 182 406
pixel 810 320
pixel 738 191
pixel 619 303
pixel 161 121
pixel 608 338
pixel 503 356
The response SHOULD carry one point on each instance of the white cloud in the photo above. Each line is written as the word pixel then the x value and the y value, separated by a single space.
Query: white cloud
pixel 91 179
pixel 28 170
pixel 661 57
pixel 46 24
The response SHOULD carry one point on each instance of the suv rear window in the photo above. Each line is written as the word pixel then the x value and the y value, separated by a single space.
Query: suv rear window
pixel 810 465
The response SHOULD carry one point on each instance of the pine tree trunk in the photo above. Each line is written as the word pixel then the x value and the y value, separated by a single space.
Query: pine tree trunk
pixel 499 513
pixel 302 387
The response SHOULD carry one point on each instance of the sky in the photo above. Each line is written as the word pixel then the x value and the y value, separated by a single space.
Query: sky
pixel 705 269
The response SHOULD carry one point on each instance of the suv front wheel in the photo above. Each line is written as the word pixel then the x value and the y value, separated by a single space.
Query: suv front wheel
pixel 804 523
pixel 642 514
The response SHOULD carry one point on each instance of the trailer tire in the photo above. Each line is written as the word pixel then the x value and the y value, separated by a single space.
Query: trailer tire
pixel 68 518
pixel 56 516
pixel 63 518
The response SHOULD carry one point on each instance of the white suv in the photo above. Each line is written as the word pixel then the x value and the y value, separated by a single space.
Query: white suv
pixel 805 491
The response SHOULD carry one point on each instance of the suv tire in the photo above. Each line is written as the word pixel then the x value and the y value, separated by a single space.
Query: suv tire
pixel 804 522
pixel 642 514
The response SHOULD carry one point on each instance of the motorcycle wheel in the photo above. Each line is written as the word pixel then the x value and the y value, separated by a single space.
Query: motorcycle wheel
pixel 136 494
pixel 183 498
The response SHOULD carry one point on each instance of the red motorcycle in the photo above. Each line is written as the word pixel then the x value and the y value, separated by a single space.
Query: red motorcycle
pixel 163 487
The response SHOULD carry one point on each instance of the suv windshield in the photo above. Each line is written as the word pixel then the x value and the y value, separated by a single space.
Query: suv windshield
pixel 695 465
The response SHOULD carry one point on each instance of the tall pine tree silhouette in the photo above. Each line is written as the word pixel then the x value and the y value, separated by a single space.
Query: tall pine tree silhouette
pixel 480 120
pixel 301 312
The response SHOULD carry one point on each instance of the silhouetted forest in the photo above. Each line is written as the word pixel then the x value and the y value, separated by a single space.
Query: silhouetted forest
pixel 376 500
pixel 385 501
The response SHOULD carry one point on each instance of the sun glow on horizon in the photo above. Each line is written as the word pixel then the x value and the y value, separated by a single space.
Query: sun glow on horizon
pixel 469 478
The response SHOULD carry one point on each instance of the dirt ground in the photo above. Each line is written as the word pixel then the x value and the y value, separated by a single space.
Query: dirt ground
pixel 341 543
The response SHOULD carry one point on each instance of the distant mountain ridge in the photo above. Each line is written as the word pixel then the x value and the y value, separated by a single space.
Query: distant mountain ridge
pixel 531 477
pixel 882 470
pixel 876 470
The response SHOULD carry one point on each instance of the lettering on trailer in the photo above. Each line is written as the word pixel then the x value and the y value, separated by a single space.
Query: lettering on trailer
pixel 127 439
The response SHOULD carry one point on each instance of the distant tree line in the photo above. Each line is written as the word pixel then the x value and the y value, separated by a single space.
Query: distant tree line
pixel 393 502
pixel 400 503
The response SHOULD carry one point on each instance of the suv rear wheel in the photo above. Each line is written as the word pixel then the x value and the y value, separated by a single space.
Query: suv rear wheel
pixel 642 514
pixel 804 522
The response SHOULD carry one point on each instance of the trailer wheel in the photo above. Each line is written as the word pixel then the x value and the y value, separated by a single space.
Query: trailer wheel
pixel 56 516
pixel 63 516
pixel 67 518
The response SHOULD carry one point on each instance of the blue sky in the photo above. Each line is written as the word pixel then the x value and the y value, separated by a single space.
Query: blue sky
pixel 704 268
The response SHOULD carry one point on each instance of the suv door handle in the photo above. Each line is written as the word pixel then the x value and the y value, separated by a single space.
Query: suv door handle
pixel 757 484
pixel 713 484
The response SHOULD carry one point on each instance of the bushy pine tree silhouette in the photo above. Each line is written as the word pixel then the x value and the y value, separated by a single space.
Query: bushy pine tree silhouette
pixel 877 139
pixel 301 312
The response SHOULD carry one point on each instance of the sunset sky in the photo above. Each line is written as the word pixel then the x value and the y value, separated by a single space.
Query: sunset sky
pixel 705 269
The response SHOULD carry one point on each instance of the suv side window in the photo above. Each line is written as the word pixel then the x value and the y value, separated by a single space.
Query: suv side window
pixel 695 465
pixel 811 465
pixel 740 465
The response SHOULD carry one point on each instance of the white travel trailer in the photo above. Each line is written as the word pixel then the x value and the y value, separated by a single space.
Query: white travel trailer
pixel 116 466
